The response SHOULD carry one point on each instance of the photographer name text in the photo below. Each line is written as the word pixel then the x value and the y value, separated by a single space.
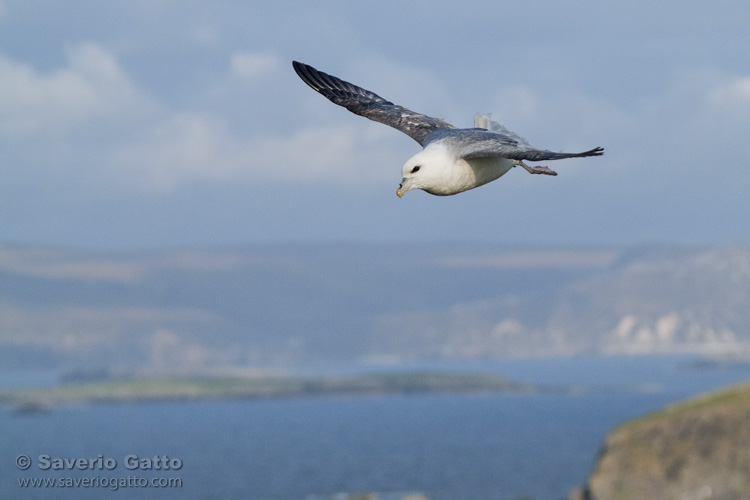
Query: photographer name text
pixel 100 462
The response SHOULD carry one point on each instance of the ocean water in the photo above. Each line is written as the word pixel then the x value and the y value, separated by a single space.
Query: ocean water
pixel 449 446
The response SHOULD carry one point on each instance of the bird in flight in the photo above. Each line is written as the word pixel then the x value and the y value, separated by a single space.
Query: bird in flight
pixel 453 159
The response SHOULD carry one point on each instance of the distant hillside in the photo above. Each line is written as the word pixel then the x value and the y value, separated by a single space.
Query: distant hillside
pixel 292 304
pixel 696 450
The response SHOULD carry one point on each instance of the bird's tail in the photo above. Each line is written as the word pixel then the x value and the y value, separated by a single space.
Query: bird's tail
pixel 483 121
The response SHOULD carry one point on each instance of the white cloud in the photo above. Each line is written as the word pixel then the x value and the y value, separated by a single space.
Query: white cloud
pixel 92 85
pixel 178 147
pixel 731 94
pixel 701 119
pixel 141 143
pixel 718 130
pixel 730 100
pixel 519 100
pixel 252 65
pixel 348 154
pixel 695 118
pixel 190 147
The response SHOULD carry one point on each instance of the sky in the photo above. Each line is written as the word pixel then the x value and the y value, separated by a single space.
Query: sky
pixel 159 123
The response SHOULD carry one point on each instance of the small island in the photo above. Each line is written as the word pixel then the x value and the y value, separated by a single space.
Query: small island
pixel 205 387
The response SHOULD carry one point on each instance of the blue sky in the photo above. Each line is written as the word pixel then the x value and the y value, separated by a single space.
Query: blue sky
pixel 151 124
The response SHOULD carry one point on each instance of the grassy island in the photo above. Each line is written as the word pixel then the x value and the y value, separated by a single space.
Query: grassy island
pixel 222 387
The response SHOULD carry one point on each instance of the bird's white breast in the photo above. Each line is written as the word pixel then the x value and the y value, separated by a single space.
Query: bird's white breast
pixel 446 175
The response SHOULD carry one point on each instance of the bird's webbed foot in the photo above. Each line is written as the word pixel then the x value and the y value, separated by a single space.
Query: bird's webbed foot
pixel 537 170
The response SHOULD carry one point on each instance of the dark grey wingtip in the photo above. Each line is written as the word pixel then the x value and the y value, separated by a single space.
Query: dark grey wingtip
pixel 329 85
pixel 307 74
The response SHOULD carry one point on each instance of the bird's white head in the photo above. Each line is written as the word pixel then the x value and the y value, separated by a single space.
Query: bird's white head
pixel 428 170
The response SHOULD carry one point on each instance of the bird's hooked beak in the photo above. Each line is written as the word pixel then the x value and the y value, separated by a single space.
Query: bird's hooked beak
pixel 403 187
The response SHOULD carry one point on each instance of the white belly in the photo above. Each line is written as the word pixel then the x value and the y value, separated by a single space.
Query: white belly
pixel 478 171
pixel 445 175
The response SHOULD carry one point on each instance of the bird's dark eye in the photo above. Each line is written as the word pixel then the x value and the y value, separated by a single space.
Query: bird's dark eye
pixel 415 169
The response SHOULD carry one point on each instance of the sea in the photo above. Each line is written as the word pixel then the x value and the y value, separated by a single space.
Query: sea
pixel 531 446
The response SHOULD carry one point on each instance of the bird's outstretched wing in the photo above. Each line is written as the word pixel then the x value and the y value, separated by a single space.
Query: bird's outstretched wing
pixel 478 143
pixel 368 104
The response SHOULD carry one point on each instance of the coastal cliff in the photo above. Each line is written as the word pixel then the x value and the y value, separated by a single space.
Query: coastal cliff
pixel 696 450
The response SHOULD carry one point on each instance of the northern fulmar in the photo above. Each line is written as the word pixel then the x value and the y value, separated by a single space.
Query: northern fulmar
pixel 453 159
